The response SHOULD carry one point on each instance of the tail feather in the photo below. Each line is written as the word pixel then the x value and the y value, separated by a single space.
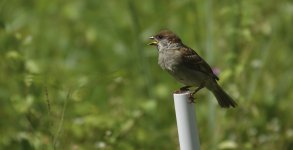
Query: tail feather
pixel 223 98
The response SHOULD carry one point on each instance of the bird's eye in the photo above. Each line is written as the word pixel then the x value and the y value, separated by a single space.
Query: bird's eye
pixel 159 37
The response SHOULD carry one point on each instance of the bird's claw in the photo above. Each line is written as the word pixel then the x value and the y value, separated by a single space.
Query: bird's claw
pixel 178 91
pixel 191 98
pixel 182 89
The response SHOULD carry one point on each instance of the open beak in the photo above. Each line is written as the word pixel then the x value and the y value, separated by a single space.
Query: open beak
pixel 154 42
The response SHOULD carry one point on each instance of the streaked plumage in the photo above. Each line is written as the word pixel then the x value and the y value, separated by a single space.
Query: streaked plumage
pixel 186 66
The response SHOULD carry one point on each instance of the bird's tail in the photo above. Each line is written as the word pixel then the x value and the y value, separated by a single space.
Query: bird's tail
pixel 222 97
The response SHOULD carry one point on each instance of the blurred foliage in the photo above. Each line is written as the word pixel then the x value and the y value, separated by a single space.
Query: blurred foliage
pixel 78 74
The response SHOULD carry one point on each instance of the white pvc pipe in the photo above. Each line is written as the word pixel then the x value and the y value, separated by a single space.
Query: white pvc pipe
pixel 186 122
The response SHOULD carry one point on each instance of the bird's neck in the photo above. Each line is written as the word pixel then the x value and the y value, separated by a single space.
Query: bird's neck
pixel 169 46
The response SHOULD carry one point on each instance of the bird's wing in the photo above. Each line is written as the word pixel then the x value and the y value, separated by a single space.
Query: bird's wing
pixel 192 60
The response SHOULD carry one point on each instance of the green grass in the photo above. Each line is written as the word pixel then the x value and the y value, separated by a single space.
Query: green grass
pixel 79 75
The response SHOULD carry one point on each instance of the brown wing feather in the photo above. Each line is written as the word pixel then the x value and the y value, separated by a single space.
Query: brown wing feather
pixel 194 61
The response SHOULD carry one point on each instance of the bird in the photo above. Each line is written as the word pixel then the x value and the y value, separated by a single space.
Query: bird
pixel 187 67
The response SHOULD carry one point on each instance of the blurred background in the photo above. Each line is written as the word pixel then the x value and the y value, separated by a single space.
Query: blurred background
pixel 79 75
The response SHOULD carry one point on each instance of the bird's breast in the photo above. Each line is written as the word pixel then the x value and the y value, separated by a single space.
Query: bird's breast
pixel 171 61
pixel 168 60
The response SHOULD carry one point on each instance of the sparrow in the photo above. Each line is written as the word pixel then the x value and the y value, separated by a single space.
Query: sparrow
pixel 187 67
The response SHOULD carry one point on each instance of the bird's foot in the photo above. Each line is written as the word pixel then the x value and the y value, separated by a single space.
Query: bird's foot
pixel 182 89
pixel 191 98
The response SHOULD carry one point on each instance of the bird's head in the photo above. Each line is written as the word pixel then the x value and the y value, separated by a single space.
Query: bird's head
pixel 165 39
